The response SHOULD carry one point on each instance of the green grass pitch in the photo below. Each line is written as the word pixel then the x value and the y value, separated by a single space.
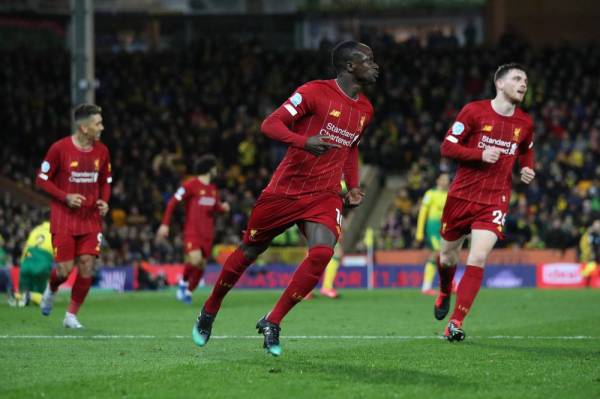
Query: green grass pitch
pixel 521 343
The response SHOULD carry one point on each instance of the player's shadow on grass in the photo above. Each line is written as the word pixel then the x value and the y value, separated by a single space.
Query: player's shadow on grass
pixel 545 351
pixel 381 374
pixel 340 369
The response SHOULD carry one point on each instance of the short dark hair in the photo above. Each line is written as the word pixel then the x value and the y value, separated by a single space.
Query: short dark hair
pixel 84 111
pixel 204 164
pixel 342 53
pixel 503 69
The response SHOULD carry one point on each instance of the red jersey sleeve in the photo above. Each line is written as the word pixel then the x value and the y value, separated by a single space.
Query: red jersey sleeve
pixel 105 178
pixel 48 170
pixel 182 194
pixel 453 145
pixel 217 208
pixel 277 125
pixel 526 151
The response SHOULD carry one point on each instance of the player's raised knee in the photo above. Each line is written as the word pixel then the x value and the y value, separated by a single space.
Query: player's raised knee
pixel 251 252
pixel 63 269
pixel 448 259
pixel 321 254
pixel 86 265
pixel 477 258
pixel 196 259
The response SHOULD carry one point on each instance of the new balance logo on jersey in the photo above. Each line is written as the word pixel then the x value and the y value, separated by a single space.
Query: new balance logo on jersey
pixel 74 164
pixel 335 113
pixel 487 128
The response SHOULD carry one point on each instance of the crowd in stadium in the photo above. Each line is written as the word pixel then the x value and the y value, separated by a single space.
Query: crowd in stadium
pixel 162 110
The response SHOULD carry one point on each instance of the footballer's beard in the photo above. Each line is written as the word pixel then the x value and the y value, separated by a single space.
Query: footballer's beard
pixel 515 100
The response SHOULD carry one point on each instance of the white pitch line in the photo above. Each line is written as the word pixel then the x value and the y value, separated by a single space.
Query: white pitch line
pixel 291 337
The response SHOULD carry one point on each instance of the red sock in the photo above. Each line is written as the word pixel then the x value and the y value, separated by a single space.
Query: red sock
pixel 446 277
pixel 187 272
pixel 79 292
pixel 195 277
pixel 467 291
pixel 56 280
pixel 303 281
pixel 234 267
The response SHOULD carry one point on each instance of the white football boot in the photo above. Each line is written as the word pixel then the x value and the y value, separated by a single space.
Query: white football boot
pixel 71 321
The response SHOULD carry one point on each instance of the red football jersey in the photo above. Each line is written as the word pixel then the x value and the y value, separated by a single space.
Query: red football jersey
pixel 68 169
pixel 318 107
pixel 476 128
pixel 202 202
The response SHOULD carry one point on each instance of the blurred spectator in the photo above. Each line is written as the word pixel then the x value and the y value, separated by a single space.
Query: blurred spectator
pixel 6 285
pixel 589 245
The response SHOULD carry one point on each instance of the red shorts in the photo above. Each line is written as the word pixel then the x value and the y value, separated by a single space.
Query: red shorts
pixel 67 247
pixel 274 213
pixel 461 216
pixel 193 243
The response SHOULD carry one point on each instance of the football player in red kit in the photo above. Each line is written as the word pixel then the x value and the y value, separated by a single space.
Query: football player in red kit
pixel 322 123
pixel 76 173
pixel 486 140
pixel 202 203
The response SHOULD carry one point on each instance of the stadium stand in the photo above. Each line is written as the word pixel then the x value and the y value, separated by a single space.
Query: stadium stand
pixel 163 109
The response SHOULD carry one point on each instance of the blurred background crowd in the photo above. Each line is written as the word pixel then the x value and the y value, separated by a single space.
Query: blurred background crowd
pixel 163 109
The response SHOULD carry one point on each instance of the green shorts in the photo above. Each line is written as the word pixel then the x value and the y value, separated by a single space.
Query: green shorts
pixel 433 237
pixel 37 262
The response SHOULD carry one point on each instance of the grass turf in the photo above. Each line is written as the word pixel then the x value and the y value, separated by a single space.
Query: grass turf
pixel 139 345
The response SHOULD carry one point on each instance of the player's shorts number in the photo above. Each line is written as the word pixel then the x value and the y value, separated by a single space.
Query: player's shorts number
pixel 338 216
pixel 499 217
pixel 99 237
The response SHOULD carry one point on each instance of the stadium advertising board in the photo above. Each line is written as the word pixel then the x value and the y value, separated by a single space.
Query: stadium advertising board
pixel 277 276
pixel 116 278
pixel 560 275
